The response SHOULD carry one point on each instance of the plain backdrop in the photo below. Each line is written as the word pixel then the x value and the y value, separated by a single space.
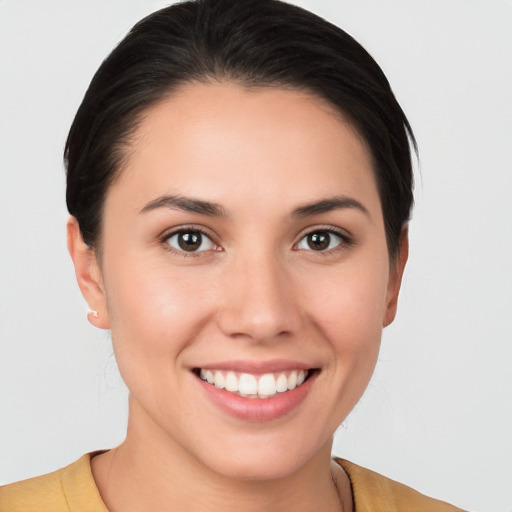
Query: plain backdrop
pixel 438 412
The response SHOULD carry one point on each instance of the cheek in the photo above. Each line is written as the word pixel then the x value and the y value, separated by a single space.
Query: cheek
pixel 155 314
pixel 349 305
pixel 348 311
pixel 354 331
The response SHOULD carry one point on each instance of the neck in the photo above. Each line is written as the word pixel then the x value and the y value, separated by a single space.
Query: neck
pixel 151 472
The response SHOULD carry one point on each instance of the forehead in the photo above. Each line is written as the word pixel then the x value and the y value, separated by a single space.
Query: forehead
pixel 223 139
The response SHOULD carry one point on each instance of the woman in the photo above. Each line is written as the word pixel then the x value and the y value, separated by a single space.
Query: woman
pixel 239 184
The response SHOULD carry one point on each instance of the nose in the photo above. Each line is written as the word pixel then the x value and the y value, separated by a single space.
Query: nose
pixel 259 300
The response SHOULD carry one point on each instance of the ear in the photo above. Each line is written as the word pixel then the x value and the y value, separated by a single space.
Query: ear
pixel 88 275
pixel 395 277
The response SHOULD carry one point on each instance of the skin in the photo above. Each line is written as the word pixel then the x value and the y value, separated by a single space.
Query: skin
pixel 258 292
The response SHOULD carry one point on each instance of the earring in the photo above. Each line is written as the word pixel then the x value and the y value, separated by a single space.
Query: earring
pixel 94 313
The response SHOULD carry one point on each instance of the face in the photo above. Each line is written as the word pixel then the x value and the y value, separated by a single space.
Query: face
pixel 244 276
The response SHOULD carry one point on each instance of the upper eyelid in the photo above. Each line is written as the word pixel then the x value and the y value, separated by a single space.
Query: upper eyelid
pixel 343 233
pixel 346 239
pixel 167 233
pixel 171 232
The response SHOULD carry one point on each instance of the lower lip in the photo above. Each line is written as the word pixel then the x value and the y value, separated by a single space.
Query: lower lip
pixel 258 409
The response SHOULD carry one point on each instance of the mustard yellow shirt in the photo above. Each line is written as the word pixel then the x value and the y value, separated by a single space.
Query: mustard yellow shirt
pixel 72 489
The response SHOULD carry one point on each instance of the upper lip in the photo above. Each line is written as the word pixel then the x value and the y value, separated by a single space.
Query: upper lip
pixel 256 367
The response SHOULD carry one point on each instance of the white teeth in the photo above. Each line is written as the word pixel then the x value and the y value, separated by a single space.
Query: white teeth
pixel 292 380
pixel 267 385
pixel 231 382
pixel 250 386
pixel 282 383
pixel 219 380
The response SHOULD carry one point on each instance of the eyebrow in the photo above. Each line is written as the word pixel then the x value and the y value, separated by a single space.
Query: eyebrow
pixel 187 204
pixel 328 205
pixel 202 207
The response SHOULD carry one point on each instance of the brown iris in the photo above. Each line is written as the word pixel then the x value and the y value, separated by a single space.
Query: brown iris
pixel 319 241
pixel 190 241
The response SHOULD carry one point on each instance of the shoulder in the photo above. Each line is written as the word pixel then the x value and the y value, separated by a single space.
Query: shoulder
pixel 41 493
pixel 375 493
pixel 68 489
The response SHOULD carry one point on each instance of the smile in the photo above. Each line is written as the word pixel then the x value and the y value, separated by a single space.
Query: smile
pixel 248 385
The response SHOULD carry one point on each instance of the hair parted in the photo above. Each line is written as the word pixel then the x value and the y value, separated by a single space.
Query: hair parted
pixel 262 43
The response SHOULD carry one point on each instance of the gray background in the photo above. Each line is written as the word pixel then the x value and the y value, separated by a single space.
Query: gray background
pixel 438 412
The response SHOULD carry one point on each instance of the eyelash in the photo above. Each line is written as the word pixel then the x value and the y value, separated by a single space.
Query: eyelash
pixel 345 241
pixel 164 239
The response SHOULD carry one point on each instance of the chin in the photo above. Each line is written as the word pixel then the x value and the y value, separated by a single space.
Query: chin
pixel 264 459
pixel 258 469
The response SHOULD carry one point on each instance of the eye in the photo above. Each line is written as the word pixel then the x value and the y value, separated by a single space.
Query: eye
pixel 321 240
pixel 190 241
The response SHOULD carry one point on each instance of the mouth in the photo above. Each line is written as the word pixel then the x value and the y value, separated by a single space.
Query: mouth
pixel 256 386
pixel 255 391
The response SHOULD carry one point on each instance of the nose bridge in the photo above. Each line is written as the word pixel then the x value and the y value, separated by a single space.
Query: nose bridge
pixel 259 300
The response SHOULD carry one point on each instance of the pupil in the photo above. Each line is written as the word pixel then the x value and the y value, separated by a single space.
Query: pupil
pixel 189 241
pixel 319 241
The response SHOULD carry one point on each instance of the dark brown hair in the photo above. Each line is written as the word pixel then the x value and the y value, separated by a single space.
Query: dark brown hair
pixel 255 43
